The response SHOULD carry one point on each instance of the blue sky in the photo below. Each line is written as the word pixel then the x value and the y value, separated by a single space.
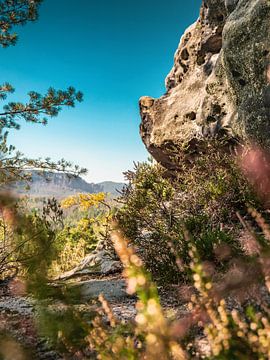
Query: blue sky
pixel 114 51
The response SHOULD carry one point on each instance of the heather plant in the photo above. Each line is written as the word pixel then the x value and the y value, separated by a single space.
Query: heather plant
pixel 147 217
pixel 232 334
pixel 150 337
pixel 230 329
pixel 202 196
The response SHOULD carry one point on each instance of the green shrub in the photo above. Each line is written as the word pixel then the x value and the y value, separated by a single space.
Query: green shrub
pixel 201 196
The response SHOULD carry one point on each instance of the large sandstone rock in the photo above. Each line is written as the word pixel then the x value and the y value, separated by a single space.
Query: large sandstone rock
pixel 220 82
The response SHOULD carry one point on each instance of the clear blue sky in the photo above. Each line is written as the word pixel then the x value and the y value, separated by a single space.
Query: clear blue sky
pixel 114 51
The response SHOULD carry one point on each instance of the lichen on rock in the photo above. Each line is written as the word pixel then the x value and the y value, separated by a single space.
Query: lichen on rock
pixel 218 84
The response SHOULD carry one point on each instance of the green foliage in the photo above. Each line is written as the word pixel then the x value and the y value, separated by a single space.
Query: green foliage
pixel 83 230
pixel 73 243
pixel 33 248
pixel 86 222
pixel 211 243
pixel 4 90
pixel 34 236
pixel 14 13
pixel 230 334
pixel 148 219
pixel 14 164
pixel 65 329
pixel 49 104
pixel 202 197
pixel 26 239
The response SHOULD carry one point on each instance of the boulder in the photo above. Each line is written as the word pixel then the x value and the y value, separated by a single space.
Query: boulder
pixel 112 289
pixel 100 262
pixel 219 84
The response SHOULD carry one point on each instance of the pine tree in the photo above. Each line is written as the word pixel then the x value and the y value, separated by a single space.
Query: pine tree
pixel 37 109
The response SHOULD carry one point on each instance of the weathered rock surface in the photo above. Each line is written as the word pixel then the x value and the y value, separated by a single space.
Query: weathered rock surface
pixel 220 82
pixel 112 289
pixel 100 262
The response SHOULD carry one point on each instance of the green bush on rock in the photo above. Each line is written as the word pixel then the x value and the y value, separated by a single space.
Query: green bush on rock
pixel 201 197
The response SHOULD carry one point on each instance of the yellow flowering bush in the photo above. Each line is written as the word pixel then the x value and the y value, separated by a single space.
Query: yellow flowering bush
pixel 83 201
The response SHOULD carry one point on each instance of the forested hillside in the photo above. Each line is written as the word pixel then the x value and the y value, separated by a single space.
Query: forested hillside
pixel 61 185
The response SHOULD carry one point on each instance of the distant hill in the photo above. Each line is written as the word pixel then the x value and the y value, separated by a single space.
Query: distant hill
pixel 60 185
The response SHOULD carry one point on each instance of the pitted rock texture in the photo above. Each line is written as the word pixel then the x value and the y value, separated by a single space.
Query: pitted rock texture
pixel 219 84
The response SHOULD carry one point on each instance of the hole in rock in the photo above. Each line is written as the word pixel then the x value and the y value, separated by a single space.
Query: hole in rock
pixel 220 17
pixel 201 60
pixel 185 54
pixel 184 66
pixel 216 109
pixel 192 115
pixel 210 118
pixel 242 82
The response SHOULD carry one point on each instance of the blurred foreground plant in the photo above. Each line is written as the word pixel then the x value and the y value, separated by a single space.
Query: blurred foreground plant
pixel 150 338
pixel 230 331
pixel 220 311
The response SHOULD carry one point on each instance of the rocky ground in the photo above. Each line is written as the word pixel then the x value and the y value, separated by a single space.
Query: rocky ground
pixel 18 330
pixel 19 333
pixel 19 338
